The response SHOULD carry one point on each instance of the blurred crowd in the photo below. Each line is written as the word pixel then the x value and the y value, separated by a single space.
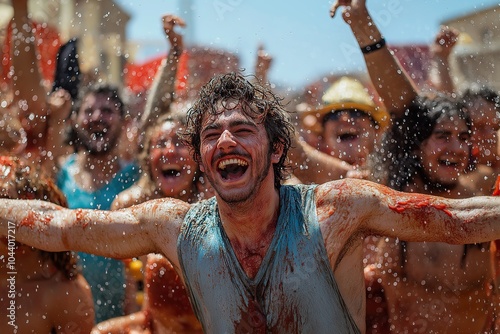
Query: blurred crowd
pixel 81 142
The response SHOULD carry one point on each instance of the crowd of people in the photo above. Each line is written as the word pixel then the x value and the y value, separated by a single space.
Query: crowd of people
pixel 369 212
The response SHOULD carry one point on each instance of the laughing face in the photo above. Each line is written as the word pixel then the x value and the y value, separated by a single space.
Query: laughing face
pixel 445 154
pixel 351 137
pixel 485 125
pixel 98 123
pixel 172 168
pixel 235 154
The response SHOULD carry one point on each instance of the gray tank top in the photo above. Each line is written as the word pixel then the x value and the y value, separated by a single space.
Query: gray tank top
pixel 294 290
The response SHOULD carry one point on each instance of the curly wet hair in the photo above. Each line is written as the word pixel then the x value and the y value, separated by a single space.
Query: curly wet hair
pixel 256 101
pixel 397 160
pixel 482 92
pixel 20 180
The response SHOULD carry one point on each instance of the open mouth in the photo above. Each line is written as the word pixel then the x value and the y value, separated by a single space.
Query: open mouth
pixel 232 169
pixel 171 172
pixel 448 163
pixel 347 137
pixel 98 134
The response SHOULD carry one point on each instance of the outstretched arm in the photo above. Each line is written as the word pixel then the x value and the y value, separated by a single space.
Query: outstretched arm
pixel 389 79
pixel 161 93
pixel 370 208
pixel 150 227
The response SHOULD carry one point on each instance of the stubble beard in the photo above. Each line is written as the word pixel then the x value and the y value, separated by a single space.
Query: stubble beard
pixel 89 145
pixel 242 197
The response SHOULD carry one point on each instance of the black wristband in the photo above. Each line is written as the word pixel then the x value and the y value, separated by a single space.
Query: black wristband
pixel 373 47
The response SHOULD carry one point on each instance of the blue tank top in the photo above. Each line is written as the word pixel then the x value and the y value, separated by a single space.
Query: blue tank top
pixel 105 276
pixel 294 290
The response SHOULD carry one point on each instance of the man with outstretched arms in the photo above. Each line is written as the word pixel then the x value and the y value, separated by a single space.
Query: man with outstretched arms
pixel 259 256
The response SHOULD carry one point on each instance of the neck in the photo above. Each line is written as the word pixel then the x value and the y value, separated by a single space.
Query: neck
pixel 95 170
pixel 250 221
pixel 105 163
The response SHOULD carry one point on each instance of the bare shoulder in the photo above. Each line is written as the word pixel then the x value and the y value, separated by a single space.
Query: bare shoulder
pixel 345 190
pixel 344 206
pixel 163 217
pixel 160 211
pixel 166 205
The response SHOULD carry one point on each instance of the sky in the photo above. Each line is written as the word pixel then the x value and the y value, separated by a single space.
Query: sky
pixel 303 40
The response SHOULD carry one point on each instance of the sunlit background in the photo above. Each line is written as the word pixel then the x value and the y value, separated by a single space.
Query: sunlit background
pixel 305 43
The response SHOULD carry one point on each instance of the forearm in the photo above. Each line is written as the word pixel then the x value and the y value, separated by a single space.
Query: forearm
pixel 312 166
pixel 56 138
pixel 388 77
pixel 418 217
pixel 439 74
pixel 161 93
pixel 52 228
pixel 27 79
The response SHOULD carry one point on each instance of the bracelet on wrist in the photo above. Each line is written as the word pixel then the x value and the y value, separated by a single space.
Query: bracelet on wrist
pixel 373 47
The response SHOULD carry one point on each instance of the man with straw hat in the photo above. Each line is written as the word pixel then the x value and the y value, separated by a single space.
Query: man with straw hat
pixel 350 122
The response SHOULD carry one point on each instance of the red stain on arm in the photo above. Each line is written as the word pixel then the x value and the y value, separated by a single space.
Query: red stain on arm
pixel 418 201
pixel 80 218
pixel 32 217
pixel 29 220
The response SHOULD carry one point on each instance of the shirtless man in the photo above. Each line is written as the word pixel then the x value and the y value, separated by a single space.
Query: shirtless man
pixel 483 105
pixel 429 287
pixel 259 256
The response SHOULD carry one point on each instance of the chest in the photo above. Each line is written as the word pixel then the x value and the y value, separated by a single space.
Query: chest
pixel 29 309
pixel 250 257
pixel 450 267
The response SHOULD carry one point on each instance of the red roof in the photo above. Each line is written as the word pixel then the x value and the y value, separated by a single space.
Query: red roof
pixel 139 77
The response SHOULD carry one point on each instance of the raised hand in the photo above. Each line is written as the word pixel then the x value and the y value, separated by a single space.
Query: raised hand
pixel 59 104
pixel 445 40
pixel 174 38
pixel 351 8
pixel 263 64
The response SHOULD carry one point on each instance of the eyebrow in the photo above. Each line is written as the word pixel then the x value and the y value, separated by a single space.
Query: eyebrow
pixel 217 126
pixel 449 132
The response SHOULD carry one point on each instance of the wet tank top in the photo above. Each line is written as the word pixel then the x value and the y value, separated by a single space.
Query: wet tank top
pixel 294 290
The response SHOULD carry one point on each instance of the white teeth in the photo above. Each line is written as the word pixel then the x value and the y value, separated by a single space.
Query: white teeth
pixel 223 164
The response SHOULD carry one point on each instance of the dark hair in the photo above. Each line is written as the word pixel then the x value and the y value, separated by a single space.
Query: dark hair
pixel 397 158
pixel 108 90
pixel 32 183
pixel 257 102
pixel 334 115
pixel 481 92
pixel 396 161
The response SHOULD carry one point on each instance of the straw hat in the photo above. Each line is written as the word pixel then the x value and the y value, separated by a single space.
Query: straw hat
pixel 347 93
